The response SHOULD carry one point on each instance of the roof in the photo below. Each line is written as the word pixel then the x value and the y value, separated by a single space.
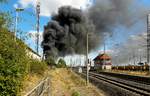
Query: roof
pixel 103 56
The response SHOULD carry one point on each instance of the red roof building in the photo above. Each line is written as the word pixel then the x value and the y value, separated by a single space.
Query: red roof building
pixel 103 61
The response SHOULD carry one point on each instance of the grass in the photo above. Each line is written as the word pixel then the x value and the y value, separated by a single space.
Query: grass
pixel 67 83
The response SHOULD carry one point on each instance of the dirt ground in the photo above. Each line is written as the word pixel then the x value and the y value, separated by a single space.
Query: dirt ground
pixel 66 83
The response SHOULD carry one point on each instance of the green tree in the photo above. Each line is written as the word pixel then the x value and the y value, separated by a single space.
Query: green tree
pixel 50 61
pixel 13 61
pixel 61 63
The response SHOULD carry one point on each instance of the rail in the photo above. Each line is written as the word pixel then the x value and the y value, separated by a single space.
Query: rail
pixel 41 89
pixel 134 87
pixel 138 79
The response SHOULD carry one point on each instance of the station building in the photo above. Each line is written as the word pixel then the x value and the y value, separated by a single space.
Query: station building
pixel 102 61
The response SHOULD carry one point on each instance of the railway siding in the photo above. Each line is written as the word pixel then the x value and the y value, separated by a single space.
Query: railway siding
pixel 138 79
pixel 120 84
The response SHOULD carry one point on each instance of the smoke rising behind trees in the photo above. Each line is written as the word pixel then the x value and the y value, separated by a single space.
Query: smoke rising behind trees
pixel 66 33
pixel 107 15
pixel 131 15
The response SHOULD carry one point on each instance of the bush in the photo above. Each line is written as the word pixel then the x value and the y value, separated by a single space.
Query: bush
pixel 61 63
pixel 38 67
pixel 9 86
pixel 75 93
pixel 50 61
pixel 13 64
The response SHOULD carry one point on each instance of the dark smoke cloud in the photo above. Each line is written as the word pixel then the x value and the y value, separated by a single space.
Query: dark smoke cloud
pixel 66 33
pixel 107 15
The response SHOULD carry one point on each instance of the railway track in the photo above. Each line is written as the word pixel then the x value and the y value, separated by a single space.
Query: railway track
pixel 134 87
pixel 138 79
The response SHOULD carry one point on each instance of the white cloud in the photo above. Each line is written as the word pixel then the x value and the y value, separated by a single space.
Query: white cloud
pixel 51 6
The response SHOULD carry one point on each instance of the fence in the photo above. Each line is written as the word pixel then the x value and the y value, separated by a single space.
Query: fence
pixel 42 89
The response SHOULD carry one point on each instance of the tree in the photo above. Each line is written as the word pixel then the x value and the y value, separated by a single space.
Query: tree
pixel 61 63
pixel 50 61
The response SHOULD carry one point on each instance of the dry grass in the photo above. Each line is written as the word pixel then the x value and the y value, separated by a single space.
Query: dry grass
pixel 31 81
pixel 65 83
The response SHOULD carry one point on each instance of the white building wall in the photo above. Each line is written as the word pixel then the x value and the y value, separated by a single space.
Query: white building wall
pixel 32 55
pixel 108 67
pixel 103 67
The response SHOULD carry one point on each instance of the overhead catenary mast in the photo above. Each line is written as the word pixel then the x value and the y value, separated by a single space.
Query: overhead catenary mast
pixel 148 39
pixel 38 24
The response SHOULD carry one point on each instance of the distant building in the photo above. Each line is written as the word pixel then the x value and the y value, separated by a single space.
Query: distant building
pixel 102 61
pixel 32 54
pixel 29 52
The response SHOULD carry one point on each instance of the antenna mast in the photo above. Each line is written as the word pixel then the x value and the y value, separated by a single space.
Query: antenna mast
pixel 38 23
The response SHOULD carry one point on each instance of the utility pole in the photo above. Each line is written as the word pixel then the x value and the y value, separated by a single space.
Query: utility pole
pixel 104 47
pixel 38 24
pixel 148 40
pixel 104 52
pixel 16 20
pixel 134 59
pixel 87 67
pixel 140 57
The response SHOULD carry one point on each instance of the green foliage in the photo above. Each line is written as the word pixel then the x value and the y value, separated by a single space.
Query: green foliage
pixel 61 63
pixel 5 20
pixel 50 61
pixel 38 67
pixel 75 93
pixel 9 86
pixel 13 64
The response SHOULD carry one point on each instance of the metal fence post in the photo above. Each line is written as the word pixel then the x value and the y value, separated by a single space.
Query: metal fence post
pixel 49 87
pixel 41 89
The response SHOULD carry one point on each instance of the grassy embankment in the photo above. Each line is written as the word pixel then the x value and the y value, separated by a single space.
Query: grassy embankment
pixel 64 82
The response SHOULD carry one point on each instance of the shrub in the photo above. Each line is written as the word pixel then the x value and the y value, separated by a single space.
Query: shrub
pixel 50 61
pixel 9 86
pixel 75 93
pixel 61 63
pixel 37 67
pixel 13 64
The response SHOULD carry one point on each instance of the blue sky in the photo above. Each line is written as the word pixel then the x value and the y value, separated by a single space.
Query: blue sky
pixel 27 18
pixel 27 21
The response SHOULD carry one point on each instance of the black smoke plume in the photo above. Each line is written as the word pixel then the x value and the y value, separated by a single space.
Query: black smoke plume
pixel 108 15
pixel 66 33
